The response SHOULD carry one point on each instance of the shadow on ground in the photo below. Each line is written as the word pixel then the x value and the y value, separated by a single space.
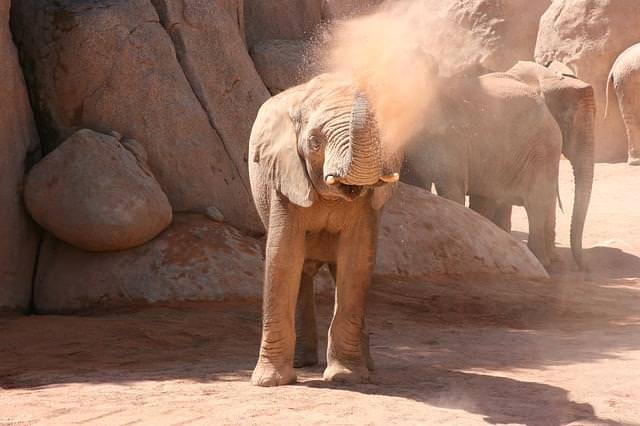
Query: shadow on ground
pixel 426 337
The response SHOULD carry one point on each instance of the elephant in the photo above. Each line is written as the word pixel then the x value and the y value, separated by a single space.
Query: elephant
pixel 319 176
pixel 572 103
pixel 624 77
pixel 495 139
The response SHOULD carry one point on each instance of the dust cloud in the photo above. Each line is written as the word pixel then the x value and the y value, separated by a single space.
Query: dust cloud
pixel 395 55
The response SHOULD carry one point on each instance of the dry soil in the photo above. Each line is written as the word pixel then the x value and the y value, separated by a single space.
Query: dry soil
pixel 482 351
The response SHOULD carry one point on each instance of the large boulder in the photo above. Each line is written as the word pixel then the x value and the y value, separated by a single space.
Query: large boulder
pixel 281 19
pixel 344 9
pixel 210 46
pixel 423 235
pixel 587 36
pixel 97 193
pixel 197 259
pixel 283 63
pixel 194 259
pixel 487 35
pixel 18 148
pixel 111 64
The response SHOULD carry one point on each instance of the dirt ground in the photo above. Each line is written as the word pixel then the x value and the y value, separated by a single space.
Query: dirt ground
pixel 485 351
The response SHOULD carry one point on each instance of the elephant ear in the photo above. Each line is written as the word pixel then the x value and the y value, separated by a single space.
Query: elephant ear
pixel 275 149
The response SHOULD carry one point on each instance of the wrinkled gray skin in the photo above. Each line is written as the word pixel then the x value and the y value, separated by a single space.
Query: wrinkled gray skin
pixel 624 78
pixel 571 102
pixel 493 138
pixel 318 177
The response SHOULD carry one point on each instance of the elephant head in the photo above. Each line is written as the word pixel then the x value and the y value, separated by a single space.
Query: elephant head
pixel 322 139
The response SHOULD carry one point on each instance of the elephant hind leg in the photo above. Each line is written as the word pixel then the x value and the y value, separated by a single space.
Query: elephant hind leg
pixel 500 214
pixel 306 352
pixel 502 217
pixel 364 336
pixel 484 206
pixel 452 191
pixel 633 137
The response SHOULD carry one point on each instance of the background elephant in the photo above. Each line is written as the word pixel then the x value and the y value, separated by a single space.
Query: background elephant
pixel 625 79
pixel 318 176
pixel 492 137
pixel 571 102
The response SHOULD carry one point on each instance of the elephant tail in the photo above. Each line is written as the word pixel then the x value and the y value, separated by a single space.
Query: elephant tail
pixel 580 154
pixel 559 199
pixel 609 92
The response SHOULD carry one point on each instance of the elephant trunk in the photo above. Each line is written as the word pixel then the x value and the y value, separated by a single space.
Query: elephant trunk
pixel 366 155
pixel 580 154
pixel 354 156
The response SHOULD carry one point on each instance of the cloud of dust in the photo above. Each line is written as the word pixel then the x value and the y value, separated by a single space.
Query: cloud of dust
pixel 394 54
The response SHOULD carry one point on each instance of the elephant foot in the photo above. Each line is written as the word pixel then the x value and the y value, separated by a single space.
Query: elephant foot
pixel 634 161
pixel 338 372
pixel 305 358
pixel 267 374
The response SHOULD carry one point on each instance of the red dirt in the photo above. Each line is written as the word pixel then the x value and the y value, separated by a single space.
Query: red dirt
pixel 488 351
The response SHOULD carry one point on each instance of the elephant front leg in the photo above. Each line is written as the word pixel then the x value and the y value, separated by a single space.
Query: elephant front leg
pixel 347 349
pixel 541 214
pixel 306 330
pixel 284 260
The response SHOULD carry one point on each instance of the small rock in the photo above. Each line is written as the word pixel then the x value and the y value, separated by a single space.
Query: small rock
pixel 214 214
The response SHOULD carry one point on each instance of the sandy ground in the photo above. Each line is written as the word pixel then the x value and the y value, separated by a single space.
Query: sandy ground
pixel 487 351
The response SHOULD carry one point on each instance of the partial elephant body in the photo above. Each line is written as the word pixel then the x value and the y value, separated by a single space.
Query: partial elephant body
pixel 625 79
pixel 571 102
pixel 318 178
pixel 493 138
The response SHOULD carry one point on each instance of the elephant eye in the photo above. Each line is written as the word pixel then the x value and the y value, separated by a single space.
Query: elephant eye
pixel 314 143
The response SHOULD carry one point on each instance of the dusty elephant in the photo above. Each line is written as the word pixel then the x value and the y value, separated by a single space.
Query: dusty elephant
pixel 471 147
pixel 318 177
pixel 571 102
pixel 625 79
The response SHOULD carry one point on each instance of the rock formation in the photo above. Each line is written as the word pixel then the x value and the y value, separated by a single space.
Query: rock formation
pixel 423 235
pixel 195 259
pixel 18 149
pixel 483 35
pixel 94 193
pixel 587 36
pixel 281 19
pixel 199 259
pixel 186 90
pixel 283 63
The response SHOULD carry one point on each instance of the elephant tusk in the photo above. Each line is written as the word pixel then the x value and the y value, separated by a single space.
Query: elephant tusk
pixel 394 177
pixel 331 180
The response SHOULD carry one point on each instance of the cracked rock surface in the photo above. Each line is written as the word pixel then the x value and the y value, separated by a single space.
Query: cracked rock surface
pixel 112 64
pixel 194 259
pixel 588 36
pixel 18 148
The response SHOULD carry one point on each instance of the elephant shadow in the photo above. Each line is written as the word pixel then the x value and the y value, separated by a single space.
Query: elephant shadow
pixel 499 400
pixel 610 262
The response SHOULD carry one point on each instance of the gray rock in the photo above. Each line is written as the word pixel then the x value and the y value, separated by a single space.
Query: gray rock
pixel 588 36
pixel 19 146
pixel 183 90
pixel 95 194
pixel 426 236
pixel 214 214
pixel 194 259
